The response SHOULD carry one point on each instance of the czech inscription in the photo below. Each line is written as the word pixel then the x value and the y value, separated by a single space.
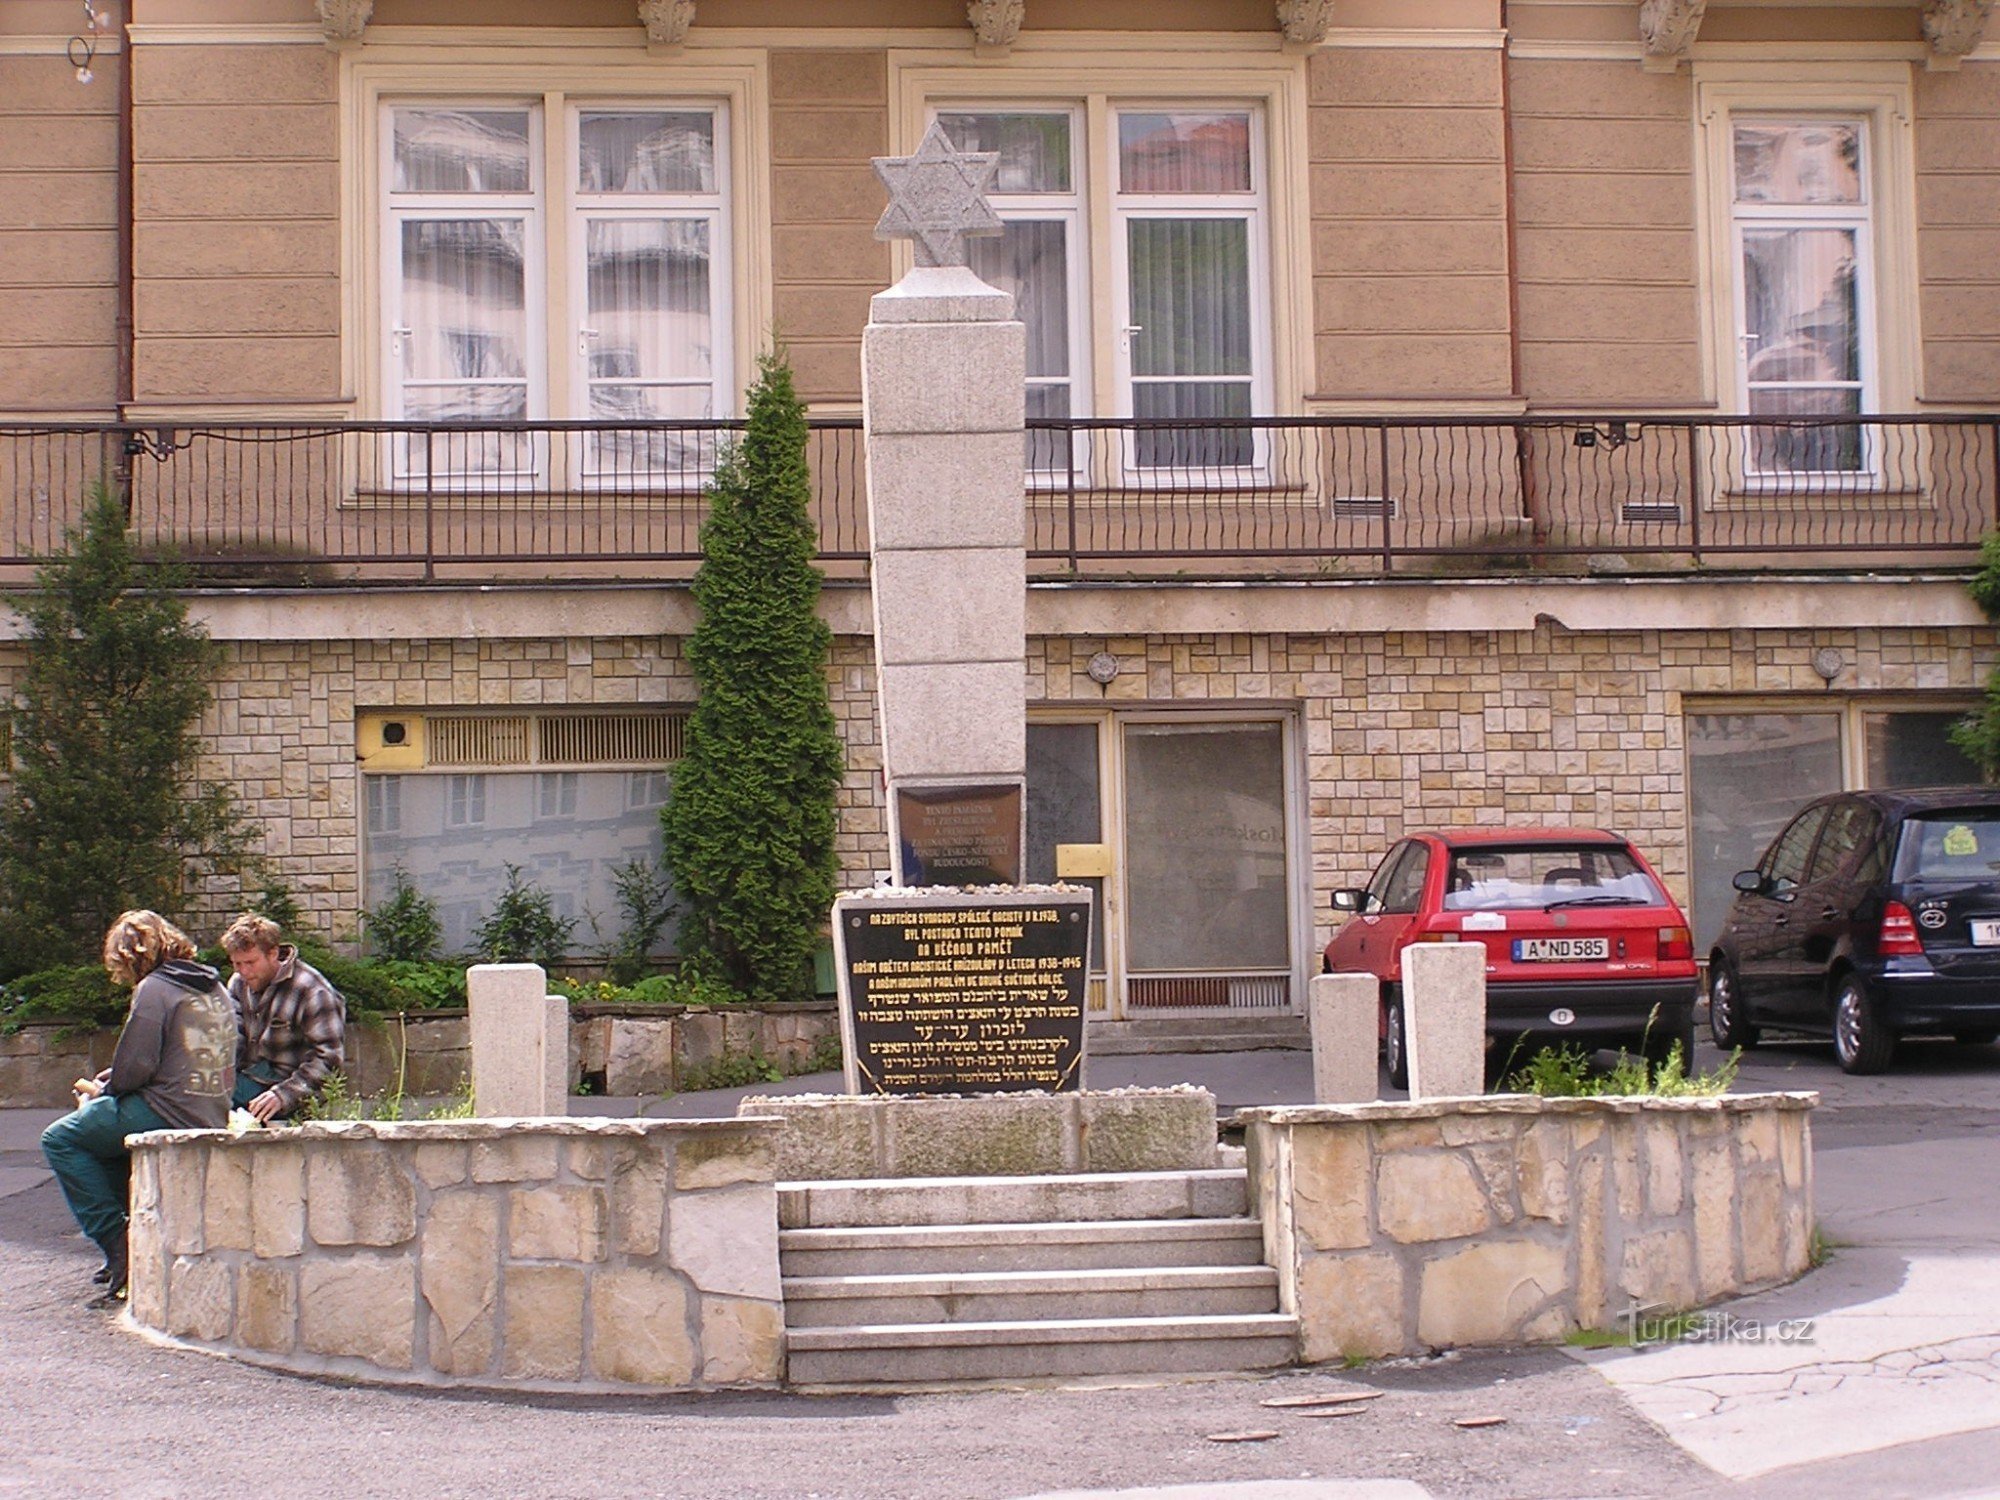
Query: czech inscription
pixel 964 997
pixel 963 835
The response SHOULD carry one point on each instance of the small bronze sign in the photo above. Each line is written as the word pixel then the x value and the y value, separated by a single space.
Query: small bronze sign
pixel 959 835
pixel 958 997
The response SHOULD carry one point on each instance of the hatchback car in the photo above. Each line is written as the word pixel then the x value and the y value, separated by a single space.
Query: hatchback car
pixel 1583 944
pixel 1871 916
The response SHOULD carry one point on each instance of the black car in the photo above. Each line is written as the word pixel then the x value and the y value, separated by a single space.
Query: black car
pixel 1873 915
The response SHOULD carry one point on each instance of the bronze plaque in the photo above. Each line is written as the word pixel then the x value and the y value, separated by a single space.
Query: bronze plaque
pixel 960 835
pixel 964 997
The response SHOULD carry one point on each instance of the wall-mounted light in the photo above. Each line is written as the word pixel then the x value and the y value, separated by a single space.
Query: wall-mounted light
pixel 1102 668
pixel 83 46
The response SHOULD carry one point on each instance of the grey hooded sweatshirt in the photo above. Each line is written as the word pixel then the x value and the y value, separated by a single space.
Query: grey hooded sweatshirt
pixel 178 1048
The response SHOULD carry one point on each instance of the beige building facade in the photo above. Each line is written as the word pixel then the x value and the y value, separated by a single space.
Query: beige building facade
pixel 1541 412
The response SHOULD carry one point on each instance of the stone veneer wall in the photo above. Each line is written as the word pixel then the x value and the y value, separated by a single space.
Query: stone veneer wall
pixel 1398 1228
pixel 584 1255
pixel 1402 729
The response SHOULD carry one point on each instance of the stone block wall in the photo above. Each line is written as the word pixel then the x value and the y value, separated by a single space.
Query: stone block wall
pixel 839 1137
pixel 576 1255
pixel 1399 1228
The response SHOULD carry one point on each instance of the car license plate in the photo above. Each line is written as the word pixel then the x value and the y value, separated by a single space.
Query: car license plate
pixel 1560 950
pixel 1986 934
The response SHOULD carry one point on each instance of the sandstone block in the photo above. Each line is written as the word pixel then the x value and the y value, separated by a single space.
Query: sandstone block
pixel 1422 1196
pixel 1487 1293
pixel 1757 1138
pixel 1761 1225
pixel 277 1201
pixel 182 1175
pixel 459 1275
pixel 267 1314
pixel 999 1137
pixel 1592 1255
pixel 1351 1305
pixel 514 1159
pixel 360 1307
pixel 639 1056
pixel 226 1203
pixel 587 1159
pixel 1406 1135
pixel 726 1241
pixel 638 1202
pixel 639 1328
pixel 1793 1147
pixel 439 1163
pixel 1666 1176
pixel 1541 1171
pixel 358 1194
pixel 819 1140
pixel 201 1298
pixel 1627 1176
pixel 1659 1269
pixel 1161 1132
pixel 1343 1011
pixel 722 1158
pixel 544 1323
pixel 742 1342
pixel 520 1042
pixel 144 1245
pixel 1714 1184
pixel 1330 1181
pixel 556 1221
pixel 1444 1013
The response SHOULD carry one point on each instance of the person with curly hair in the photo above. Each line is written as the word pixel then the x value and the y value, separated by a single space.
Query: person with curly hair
pixel 173 1069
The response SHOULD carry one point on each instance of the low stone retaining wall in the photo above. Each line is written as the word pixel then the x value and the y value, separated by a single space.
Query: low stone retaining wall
pixel 576 1255
pixel 620 1049
pixel 824 1137
pixel 1399 1228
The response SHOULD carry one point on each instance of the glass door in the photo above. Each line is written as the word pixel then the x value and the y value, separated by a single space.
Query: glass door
pixel 1066 829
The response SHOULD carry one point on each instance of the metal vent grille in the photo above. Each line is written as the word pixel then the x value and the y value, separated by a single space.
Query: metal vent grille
pixel 477 740
pixel 611 739
pixel 1208 992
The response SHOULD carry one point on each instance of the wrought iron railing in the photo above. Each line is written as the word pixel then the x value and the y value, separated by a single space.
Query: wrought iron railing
pixel 340 502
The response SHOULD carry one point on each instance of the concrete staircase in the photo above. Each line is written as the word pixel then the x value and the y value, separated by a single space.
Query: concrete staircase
pixel 923 1280
pixel 1223 1032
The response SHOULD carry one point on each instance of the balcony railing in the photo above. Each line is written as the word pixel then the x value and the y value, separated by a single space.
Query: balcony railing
pixel 551 501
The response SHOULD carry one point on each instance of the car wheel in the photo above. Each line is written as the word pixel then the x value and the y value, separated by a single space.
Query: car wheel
pixel 1978 1037
pixel 1862 1042
pixel 1395 1048
pixel 1728 1017
pixel 1663 1039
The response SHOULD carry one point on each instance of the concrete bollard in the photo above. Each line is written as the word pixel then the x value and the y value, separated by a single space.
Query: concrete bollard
pixel 1344 1011
pixel 1444 1018
pixel 520 1042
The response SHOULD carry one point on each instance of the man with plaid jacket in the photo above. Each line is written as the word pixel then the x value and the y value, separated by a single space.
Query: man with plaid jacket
pixel 292 1024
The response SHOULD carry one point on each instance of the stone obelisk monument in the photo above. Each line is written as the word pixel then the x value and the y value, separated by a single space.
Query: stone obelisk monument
pixel 943 364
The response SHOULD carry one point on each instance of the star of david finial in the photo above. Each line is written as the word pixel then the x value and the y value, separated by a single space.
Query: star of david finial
pixel 937 197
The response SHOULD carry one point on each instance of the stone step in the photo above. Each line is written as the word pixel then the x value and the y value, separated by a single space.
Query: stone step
pixel 938 1249
pixel 908 1354
pixel 1219 1194
pixel 1021 1296
pixel 1198 1034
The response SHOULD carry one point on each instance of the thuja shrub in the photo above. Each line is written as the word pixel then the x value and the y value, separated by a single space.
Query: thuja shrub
pixel 1978 733
pixel 749 820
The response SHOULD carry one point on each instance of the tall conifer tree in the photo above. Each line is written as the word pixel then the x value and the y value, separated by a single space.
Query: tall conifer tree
pixel 106 810
pixel 749 821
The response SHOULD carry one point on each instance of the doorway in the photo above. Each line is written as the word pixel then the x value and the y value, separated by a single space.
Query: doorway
pixel 1183 826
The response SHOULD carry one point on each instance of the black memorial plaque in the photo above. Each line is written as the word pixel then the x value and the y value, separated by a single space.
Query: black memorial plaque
pixel 961 835
pixel 966 998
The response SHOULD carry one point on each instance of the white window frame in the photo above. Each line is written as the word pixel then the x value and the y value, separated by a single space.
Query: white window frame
pixel 1878 96
pixel 1224 74
pixel 570 72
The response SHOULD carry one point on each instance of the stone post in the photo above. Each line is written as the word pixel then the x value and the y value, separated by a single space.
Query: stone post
pixel 943 371
pixel 1345 1012
pixel 1444 1018
pixel 520 1042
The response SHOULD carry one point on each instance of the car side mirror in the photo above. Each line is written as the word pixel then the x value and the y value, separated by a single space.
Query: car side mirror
pixel 1750 882
pixel 1347 898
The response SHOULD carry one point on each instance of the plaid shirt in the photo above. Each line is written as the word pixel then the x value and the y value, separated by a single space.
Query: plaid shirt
pixel 296 1026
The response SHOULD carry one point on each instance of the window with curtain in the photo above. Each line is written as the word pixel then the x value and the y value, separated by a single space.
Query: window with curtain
pixel 472 230
pixel 1804 300
pixel 1182 193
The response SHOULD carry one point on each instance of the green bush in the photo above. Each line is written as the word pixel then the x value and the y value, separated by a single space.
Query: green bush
pixel 81 994
pixel 749 820
pixel 677 988
pixel 405 925
pixel 523 926
pixel 384 986
pixel 646 900
pixel 1977 735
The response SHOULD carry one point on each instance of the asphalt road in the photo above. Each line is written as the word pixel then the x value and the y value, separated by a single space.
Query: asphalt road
pixel 92 1409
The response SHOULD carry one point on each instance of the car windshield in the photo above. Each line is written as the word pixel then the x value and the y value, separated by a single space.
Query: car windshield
pixel 1951 844
pixel 1500 879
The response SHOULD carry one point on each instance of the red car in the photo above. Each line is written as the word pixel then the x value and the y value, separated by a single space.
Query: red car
pixel 1583 944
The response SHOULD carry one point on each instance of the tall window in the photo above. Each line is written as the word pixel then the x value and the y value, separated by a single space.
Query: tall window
pixel 1804 295
pixel 472 234
pixel 1180 194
